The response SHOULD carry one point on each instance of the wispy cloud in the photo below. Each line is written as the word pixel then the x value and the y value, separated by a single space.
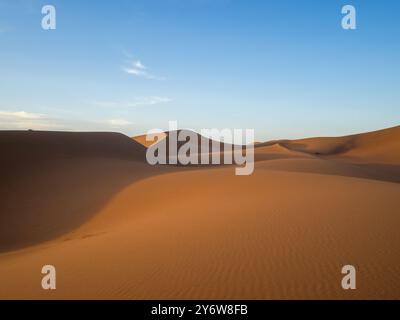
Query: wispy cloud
pixel 22 120
pixel 22 115
pixel 138 69
pixel 138 64
pixel 137 102
pixel 149 101
pixel 117 123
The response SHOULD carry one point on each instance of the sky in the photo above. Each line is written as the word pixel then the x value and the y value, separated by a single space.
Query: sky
pixel 286 68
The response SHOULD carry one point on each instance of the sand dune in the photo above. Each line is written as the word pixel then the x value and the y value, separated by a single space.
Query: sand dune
pixel 52 182
pixel 275 150
pixel 193 141
pixel 117 228
pixel 148 140
pixel 381 146
pixel 143 139
pixel 380 172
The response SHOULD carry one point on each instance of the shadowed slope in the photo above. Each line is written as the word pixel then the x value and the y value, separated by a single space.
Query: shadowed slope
pixel 54 181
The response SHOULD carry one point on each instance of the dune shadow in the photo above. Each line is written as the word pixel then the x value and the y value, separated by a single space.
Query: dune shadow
pixel 52 199
pixel 53 182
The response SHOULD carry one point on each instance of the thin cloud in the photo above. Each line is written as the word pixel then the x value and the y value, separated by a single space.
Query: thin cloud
pixel 138 64
pixel 138 69
pixel 149 101
pixel 118 122
pixel 138 102
pixel 22 120
pixel 22 115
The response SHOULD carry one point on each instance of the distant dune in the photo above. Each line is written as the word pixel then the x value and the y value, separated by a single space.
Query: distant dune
pixel 118 228
pixel 374 155
pixel 148 140
pixel 381 146
pixel 194 141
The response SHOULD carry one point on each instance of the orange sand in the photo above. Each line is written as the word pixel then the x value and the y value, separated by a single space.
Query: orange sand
pixel 116 228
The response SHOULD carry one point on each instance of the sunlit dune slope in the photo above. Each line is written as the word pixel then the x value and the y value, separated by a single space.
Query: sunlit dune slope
pixel 208 234
pixel 116 227
pixel 381 146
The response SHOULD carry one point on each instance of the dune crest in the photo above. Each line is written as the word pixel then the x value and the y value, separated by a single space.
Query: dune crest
pixel 118 228
pixel 382 146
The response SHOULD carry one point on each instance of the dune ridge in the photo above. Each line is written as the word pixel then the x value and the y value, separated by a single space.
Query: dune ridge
pixel 382 146
pixel 118 228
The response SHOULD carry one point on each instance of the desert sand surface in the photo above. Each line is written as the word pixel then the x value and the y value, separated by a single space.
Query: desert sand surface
pixel 117 228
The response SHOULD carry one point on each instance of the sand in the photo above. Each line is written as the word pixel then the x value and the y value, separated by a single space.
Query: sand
pixel 116 228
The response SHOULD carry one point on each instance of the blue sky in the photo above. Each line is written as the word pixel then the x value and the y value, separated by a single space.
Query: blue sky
pixel 285 68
